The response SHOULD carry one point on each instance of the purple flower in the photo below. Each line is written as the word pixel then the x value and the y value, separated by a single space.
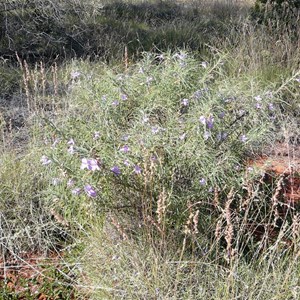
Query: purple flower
pixel 237 167
pixel 70 182
pixel 221 136
pixel 202 119
pixel 90 164
pixel 76 191
pixel 155 130
pixel 115 103
pixel 269 94
pixel 298 79
pixel 116 170
pixel 224 136
pixel 71 142
pixel 75 74
pixel 56 141
pixel 125 149
pixel 124 97
pixel 210 122
pixel 182 56
pixel 153 157
pixel 202 181
pixel 221 115
pixel 185 102
pixel 271 106
pixel 45 160
pixel 243 138
pixel 137 169
pixel 90 191
pixel 125 137
pixel 198 94
pixel 258 105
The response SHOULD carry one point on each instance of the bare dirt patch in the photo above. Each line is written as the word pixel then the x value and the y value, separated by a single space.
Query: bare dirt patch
pixel 34 276
pixel 283 160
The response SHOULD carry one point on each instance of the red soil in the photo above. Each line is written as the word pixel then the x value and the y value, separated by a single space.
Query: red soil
pixel 29 274
pixel 285 161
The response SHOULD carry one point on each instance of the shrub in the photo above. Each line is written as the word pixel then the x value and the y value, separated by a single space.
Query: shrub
pixel 279 10
pixel 159 142
pixel 26 220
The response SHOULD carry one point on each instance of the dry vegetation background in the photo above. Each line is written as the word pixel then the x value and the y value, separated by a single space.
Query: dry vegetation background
pixel 149 149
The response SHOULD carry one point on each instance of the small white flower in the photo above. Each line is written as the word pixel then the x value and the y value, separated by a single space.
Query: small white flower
pixel 45 160
pixel 204 64
pixel 56 181
pixel 149 80
pixel 126 163
pixel 182 137
pixel 71 150
pixel 96 135
pixel 185 102
pixel 202 120
pixel 243 138
pixel 76 191
pixel 258 98
pixel 145 119
pixel 206 135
